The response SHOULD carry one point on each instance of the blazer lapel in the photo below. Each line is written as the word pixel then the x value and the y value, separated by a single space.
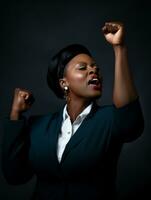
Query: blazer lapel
pixel 54 131
pixel 79 134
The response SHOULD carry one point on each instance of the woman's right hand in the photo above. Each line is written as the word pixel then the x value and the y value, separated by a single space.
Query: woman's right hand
pixel 23 99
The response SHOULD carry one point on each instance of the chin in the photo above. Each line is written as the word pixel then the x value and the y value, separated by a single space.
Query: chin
pixel 95 96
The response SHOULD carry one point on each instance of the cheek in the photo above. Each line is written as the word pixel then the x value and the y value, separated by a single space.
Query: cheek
pixel 77 79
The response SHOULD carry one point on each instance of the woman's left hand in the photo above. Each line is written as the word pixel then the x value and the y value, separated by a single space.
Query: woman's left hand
pixel 114 32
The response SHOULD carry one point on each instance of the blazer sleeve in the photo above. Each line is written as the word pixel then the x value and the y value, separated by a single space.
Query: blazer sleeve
pixel 15 152
pixel 128 121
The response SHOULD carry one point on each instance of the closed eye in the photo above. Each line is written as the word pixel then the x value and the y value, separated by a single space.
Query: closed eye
pixel 82 67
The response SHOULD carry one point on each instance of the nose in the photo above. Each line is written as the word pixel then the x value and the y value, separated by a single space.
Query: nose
pixel 93 70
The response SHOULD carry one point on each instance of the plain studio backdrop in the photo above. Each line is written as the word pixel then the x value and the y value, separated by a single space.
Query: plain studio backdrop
pixel 32 31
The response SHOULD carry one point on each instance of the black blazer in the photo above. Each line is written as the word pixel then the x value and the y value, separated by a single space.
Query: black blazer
pixel 88 167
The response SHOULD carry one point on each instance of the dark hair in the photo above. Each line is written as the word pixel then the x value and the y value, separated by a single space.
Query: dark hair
pixel 57 65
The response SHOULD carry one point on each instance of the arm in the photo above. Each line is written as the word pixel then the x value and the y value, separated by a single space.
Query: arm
pixel 124 90
pixel 15 152
pixel 16 141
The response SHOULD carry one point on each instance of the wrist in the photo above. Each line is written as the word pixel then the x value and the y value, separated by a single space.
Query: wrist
pixel 120 45
pixel 15 115
pixel 119 48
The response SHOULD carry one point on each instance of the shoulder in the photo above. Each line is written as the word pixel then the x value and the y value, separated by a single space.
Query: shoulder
pixel 45 118
pixel 131 105
pixel 101 113
pixel 110 111
pixel 105 110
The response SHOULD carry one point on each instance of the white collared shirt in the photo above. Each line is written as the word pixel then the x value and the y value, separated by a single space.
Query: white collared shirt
pixel 68 129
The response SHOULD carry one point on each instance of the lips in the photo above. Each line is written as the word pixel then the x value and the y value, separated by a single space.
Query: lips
pixel 95 82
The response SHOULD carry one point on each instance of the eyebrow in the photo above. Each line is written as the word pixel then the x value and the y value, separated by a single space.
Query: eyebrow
pixel 81 62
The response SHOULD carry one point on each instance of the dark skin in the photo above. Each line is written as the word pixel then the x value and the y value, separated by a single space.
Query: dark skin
pixel 124 90
pixel 80 94
pixel 79 71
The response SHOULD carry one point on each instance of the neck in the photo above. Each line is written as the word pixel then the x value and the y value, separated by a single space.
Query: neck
pixel 75 107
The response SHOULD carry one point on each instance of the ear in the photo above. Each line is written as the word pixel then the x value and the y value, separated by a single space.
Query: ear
pixel 63 82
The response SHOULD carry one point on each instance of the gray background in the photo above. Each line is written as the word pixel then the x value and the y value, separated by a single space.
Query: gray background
pixel 32 31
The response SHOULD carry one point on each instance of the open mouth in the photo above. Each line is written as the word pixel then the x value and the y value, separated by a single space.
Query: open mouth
pixel 94 81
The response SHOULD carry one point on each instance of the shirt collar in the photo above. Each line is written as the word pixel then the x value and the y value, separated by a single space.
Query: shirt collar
pixel 82 115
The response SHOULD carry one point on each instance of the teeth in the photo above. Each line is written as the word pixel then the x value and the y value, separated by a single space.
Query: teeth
pixel 93 81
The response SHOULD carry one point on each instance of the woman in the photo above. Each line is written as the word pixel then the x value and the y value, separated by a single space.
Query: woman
pixel 74 152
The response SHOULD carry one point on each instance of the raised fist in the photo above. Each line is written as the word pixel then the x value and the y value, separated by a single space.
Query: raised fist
pixel 114 32
pixel 22 101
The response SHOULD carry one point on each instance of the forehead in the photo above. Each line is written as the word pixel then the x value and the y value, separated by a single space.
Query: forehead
pixel 81 58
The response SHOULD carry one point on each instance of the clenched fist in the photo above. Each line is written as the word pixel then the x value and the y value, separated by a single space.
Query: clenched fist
pixel 22 101
pixel 114 32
